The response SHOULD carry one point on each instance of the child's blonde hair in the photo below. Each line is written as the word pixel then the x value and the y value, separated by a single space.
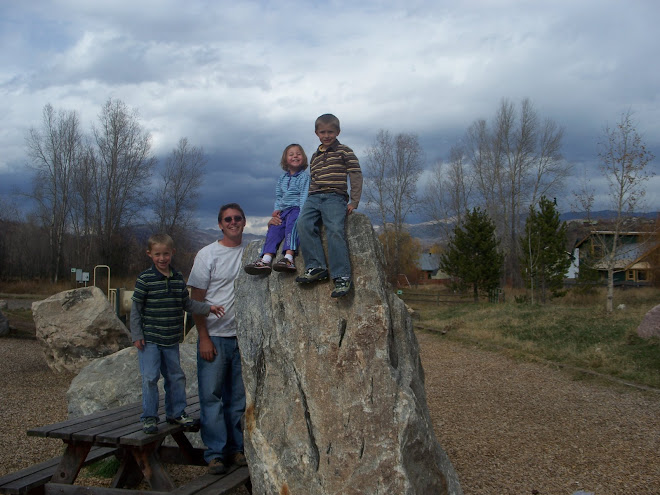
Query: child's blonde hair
pixel 283 163
pixel 160 239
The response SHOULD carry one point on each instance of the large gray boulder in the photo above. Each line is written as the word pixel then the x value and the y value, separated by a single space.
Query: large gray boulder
pixel 650 325
pixel 114 380
pixel 76 326
pixel 335 388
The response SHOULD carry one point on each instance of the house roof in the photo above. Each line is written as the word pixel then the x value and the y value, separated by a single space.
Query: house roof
pixel 629 255
pixel 428 262
pixel 592 233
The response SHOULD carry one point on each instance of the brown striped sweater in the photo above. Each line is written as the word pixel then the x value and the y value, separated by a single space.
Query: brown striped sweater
pixel 330 169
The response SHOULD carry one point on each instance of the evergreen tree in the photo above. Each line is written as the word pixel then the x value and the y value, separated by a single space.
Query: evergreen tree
pixel 473 255
pixel 544 257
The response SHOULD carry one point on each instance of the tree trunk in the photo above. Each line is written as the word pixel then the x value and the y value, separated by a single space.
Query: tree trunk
pixel 610 290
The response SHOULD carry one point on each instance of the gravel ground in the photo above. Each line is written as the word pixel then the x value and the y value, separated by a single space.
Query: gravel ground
pixel 508 427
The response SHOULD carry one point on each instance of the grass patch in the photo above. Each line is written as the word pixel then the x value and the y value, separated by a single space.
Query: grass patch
pixel 105 468
pixel 575 331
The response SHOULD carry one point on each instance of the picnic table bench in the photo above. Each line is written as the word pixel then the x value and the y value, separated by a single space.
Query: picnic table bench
pixel 142 456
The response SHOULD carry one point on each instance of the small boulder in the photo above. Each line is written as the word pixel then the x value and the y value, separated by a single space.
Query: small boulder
pixel 114 380
pixel 650 325
pixel 76 326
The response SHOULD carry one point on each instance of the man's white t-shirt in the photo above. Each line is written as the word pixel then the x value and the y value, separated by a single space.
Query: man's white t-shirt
pixel 214 270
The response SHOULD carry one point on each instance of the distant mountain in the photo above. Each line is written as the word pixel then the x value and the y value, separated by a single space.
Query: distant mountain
pixel 202 237
pixel 197 237
pixel 603 215
pixel 431 232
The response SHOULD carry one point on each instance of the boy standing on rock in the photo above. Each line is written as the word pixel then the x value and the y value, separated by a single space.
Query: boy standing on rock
pixel 328 203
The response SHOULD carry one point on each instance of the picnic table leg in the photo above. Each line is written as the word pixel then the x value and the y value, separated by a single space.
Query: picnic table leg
pixel 72 460
pixel 129 473
pixel 190 454
pixel 151 467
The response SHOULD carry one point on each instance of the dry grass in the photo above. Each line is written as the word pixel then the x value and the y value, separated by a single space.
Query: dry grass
pixel 573 331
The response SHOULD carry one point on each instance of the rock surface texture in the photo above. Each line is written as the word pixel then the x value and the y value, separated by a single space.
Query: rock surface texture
pixel 335 387
pixel 76 326
pixel 650 325
pixel 114 380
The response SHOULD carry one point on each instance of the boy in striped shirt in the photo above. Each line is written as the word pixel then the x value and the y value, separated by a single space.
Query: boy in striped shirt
pixel 328 203
pixel 159 300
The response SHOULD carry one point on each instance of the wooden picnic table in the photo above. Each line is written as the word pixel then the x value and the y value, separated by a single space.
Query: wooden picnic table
pixel 142 456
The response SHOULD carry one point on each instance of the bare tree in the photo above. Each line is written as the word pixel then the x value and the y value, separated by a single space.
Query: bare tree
pixel 393 167
pixel 83 223
pixel 55 151
pixel 123 164
pixel 624 162
pixel 512 163
pixel 449 192
pixel 176 198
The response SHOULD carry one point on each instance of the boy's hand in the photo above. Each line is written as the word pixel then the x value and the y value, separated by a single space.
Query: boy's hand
pixel 349 208
pixel 139 344
pixel 218 311
pixel 206 349
pixel 276 213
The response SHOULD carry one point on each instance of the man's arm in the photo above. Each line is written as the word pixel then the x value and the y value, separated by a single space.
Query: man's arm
pixel 206 348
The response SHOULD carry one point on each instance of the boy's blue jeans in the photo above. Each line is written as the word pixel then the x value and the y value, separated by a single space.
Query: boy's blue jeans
pixel 222 399
pixel 156 360
pixel 328 210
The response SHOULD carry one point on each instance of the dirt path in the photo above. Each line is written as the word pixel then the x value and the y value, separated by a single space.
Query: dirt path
pixel 508 427
pixel 522 428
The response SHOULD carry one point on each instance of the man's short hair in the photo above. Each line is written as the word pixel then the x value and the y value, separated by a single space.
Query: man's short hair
pixel 229 206
pixel 160 239
pixel 327 119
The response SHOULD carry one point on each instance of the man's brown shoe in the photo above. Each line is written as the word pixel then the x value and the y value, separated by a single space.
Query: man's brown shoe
pixel 216 466
pixel 239 459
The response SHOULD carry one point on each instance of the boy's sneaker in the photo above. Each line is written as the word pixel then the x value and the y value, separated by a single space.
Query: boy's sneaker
pixel 216 466
pixel 342 286
pixel 312 275
pixel 183 420
pixel 284 265
pixel 259 267
pixel 150 425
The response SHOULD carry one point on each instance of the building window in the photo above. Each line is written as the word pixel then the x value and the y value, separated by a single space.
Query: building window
pixel 631 275
pixel 641 275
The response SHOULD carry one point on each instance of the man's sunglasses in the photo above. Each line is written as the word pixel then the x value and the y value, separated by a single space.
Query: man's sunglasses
pixel 236 218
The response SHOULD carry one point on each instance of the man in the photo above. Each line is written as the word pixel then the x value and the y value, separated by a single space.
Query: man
pixel 221 391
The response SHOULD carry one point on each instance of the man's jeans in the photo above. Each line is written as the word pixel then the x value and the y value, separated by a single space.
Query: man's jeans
pixel 329 210
pixel 222 399
pixel 156 360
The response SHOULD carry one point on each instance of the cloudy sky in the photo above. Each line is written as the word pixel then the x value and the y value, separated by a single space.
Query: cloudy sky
pixel 244 79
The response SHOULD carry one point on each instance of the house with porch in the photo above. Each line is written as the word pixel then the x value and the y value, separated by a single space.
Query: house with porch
pixel 635 261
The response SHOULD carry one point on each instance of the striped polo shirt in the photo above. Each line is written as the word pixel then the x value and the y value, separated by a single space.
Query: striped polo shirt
pixel 329 169
pixel 163 299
